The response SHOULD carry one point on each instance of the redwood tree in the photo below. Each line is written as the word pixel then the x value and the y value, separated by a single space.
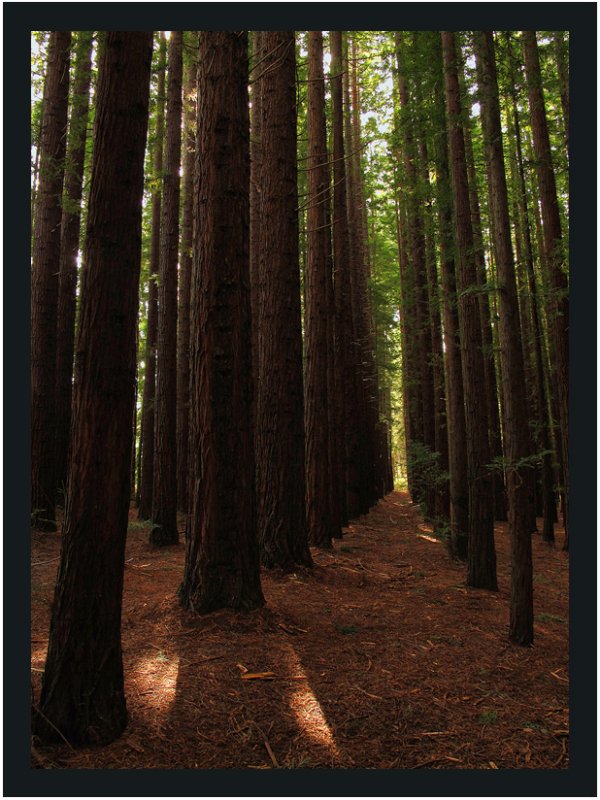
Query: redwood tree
pixel 222 560
pixel 44 280
pixel 513 373
pixel 481 571
pixel 279 436
pixel 164 492
pixel 320 523
pixel 82 692
pixel 149 393
pixel 69 248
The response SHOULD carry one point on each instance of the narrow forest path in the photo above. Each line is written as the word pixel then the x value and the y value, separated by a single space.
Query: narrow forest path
pixel 380 657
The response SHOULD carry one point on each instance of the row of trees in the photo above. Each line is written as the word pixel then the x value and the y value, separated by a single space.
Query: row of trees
pixel 485 378
pixel 261 412
pixel 226 346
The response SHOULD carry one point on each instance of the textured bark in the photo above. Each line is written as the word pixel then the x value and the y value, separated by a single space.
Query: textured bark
pixel 553 246
pixel 185 275
pixel 481 570
pixel 279 435
pixel 148 396
pixel 69 249
pixel 164 492
pixel 82 691
pixel 44 280
pixel 318 476
pixel 222 560
pixel 455 412
pixel 513 373
pixel 346 377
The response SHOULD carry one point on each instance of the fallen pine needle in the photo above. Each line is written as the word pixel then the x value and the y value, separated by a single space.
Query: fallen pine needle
pixel 559 678
pixel 433 760
pixel 257 676
pixel 562 755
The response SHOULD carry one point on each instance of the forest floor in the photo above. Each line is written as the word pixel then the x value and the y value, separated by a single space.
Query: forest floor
pixel 379 657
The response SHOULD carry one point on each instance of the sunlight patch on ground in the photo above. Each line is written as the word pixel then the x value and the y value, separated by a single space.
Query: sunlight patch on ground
pixel 155 678
pixel 428 538
pixel 307 709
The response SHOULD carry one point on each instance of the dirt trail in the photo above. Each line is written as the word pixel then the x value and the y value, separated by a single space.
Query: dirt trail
pixel 379 657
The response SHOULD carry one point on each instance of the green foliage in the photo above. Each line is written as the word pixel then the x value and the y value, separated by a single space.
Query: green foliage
pixel 543 617
pixel 488 717
pixel 346 629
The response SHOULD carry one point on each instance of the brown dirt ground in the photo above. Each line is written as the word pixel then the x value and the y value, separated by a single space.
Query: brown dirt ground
pixel 380 656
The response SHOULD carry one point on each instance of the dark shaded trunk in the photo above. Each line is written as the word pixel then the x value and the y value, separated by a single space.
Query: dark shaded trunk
pixel 561 52
pixel 345 402
pixel 554 249
pixel 44 281
pixel 513 374
pixel 82 691
pixel 279 435
pixel 455 411
pixel 69 250
pixel 481 571
pixel 222 558
pixel 320 525
pixel 185 274
pixel 164 491
pixel 149 393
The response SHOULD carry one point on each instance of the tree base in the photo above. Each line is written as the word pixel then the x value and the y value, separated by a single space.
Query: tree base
pixel 161 536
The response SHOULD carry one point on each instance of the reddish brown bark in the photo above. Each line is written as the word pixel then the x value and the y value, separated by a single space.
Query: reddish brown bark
pixel 279 435
pixel 44 280
pixel 82 692
pixel 481 569
pixel 222 560
pixel 69 249
pixel 164 491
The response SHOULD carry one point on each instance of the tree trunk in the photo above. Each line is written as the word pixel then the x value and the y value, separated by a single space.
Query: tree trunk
pixel 481 570
pixel 562 66
pixel 44 281
pixel 164 492
pixel 279 436
pixel 185 274
pixel 455 410
pixel 513 374
pixel 149 394
pixel 320 525
pixel 255 198
pixel 69 250
pixel 82 691
pixel 222 558
pixel 553 245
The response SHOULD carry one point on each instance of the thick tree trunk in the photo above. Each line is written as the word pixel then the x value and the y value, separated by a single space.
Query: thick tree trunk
pixel 82 692
pixel 164 492
pixel 44 281
pixel 553 246
pixel 149 394
pixel 279 435
pixel 69 249
pixel 481 570
pixel 562 66
pixel 321 526
pixel 513 374
pixel 222 558
pixel 185 275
